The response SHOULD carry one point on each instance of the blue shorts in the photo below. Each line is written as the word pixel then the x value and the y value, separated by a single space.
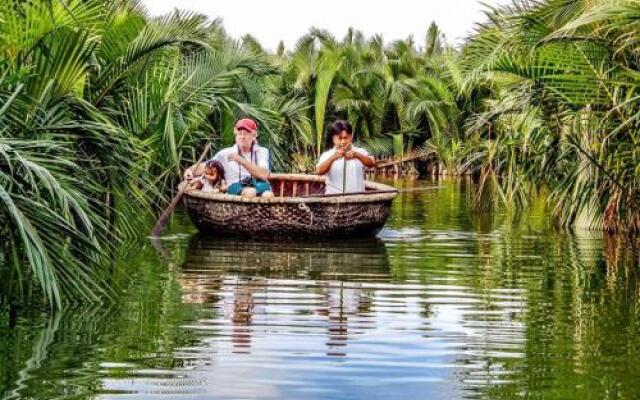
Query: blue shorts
pixel 260 186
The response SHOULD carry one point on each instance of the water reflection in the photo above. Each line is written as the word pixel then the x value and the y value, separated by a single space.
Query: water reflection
pixel 38 356
pixel 249 282
pixel 445 304
pixel 351 260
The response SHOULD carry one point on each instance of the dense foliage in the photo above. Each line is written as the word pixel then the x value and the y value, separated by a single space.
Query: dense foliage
pixel 102 104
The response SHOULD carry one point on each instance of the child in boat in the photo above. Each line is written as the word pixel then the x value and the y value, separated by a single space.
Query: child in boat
pixel 212 181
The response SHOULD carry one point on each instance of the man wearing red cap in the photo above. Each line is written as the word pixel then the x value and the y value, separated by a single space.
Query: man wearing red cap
pixel 246 164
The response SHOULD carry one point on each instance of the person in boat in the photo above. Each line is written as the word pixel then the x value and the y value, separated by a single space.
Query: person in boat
pixel 246 164
pixel 213 179
pixel 343 156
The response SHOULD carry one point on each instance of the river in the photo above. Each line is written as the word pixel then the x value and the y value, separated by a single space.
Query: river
pixel 445 303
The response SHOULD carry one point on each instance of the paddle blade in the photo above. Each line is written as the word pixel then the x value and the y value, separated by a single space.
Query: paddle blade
pixel 164 218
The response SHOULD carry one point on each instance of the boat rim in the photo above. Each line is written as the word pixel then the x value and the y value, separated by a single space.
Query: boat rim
pixel 389 193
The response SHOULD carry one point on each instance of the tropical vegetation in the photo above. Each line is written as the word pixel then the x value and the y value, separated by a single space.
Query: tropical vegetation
pixel 101 105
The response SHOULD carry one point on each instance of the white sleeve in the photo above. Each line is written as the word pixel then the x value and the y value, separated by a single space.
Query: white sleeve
pixel 263 159
pixel 219 157
pixel 324 157
pixel 363 151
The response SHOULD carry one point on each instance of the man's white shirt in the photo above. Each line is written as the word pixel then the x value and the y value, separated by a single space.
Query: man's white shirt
pixel 233 171
pixel 354 179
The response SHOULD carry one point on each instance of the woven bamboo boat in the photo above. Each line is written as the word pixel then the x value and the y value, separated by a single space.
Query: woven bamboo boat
pixel 300 209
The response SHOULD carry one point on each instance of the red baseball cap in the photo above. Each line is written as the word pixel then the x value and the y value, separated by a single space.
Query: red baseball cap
pixel 247 124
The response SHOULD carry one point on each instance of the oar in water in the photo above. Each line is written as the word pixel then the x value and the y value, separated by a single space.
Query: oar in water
pixel 162 221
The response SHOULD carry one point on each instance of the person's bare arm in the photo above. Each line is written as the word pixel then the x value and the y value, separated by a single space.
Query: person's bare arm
pixel 192 171
pixel 368 161
pixel 324 166
pixel 255 170
pixel 194 184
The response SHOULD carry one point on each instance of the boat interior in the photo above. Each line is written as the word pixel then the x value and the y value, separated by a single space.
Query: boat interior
pixel 296 186
pixel 299 185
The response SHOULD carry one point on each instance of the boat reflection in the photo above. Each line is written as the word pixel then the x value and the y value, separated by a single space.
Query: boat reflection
pixel 253 286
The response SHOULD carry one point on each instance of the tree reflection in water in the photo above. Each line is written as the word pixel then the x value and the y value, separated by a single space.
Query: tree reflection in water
pixel 452 304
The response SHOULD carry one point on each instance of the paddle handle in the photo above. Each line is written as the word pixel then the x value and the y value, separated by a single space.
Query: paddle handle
pixel 164 217
pixel 344 169
pixel 344 175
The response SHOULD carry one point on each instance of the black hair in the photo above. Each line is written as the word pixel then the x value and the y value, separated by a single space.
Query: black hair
pixel 336 128
pixel 217 165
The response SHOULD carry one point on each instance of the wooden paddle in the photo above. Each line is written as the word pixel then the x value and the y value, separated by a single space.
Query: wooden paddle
pixel 344 170
pixel 162 221
pixel 344 175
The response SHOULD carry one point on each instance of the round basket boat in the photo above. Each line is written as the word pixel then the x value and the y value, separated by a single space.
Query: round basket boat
pixel 300 209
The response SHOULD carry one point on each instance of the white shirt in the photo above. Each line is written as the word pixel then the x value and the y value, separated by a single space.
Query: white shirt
pixel 354 181
pixel 233 171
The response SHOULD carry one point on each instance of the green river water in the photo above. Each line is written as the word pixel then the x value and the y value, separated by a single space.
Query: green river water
pixel 445 303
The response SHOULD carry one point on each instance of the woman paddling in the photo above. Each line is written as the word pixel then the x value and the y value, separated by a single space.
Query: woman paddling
pixel 344 164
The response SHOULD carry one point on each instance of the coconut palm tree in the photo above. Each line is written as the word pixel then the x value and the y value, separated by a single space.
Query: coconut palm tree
pixel 100 102
pixel 569 69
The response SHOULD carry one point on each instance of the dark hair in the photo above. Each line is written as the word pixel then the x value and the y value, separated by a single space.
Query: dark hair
pixel 336 128
pixel 217 165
